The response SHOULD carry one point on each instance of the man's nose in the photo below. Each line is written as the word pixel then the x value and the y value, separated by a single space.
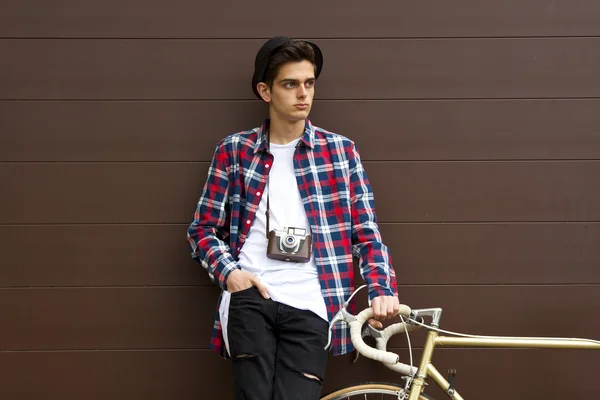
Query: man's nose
pixel 302 91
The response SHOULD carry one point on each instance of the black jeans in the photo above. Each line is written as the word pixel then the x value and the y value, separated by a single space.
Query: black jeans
pixel 277 351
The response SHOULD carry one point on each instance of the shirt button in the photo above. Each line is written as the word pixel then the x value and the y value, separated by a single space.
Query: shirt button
pixel 248 222
pixel 258 193
pixel 266 165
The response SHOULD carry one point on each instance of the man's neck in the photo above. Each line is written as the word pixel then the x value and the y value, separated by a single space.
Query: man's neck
pixel 284 132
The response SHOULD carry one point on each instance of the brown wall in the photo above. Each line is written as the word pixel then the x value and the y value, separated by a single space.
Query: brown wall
pixel 478 123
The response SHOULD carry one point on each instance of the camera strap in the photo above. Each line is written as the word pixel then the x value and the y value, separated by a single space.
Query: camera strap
pixel 267 212
pixel 267 184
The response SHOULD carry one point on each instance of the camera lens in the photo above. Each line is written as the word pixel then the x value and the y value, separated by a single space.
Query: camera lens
pixel 289 242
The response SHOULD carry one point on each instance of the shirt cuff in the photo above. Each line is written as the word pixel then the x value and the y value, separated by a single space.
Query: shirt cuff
pixel 377 291
pixel 224 271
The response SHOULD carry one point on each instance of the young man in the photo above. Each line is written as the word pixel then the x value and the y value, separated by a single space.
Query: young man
pixel 284 209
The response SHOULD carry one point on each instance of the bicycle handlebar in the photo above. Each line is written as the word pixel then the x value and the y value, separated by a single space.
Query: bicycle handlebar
pixel 391 360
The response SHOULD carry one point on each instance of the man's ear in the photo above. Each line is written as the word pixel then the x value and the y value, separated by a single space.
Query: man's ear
pixel 263 90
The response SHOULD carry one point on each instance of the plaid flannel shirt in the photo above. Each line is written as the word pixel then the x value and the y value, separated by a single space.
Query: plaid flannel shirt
pixel 338 201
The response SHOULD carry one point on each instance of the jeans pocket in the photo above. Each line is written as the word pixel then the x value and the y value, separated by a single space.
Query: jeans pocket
pixel 246 325
pixel 244 291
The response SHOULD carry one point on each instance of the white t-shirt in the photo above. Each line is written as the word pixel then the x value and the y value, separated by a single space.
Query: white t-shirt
pixel 293 284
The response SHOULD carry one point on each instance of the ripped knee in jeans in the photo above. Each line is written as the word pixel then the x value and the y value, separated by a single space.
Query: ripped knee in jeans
pixel 312 377
pixel 244 356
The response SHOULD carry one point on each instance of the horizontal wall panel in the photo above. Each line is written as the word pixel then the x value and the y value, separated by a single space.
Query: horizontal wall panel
pixel 107 318
pixel 383 130
pixel 100 255
pixel 191 375
pixel 122 131
pixel 355 69
pixel 486 191
pixel 88 193
pixel 186 18
pixel 151 375
pixel 494 253
pixel 181 317
pixel 404 191
pixel 123 255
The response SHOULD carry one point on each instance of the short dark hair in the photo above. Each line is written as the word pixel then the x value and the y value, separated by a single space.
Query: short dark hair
pixel 292 51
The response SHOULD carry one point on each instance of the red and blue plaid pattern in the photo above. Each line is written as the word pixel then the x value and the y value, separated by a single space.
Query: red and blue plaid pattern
pixel 338 201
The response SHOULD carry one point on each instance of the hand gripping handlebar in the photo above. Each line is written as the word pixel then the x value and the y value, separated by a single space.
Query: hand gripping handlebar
pixel 390 360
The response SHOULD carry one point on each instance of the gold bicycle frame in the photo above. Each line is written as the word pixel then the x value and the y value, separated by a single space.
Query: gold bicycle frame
pixel 426 368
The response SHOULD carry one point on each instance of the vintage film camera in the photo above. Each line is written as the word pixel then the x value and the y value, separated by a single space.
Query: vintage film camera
pixel 290 244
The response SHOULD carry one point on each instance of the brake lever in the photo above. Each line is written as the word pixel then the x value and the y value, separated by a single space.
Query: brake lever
pixel 342 315
pixel 337 318
pixel 368 330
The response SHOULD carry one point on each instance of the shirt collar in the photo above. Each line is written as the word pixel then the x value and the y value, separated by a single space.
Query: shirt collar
pixel 308 138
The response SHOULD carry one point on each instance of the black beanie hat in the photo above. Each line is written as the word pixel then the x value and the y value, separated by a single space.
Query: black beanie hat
pixel 268 49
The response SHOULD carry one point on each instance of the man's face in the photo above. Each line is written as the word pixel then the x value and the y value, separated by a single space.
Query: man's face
pixel 293 89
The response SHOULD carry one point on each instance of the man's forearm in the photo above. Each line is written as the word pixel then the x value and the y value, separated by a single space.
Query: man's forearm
pixel 376 265
pixel 213 254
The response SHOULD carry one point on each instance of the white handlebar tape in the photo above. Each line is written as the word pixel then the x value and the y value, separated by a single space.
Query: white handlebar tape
pixel 381 344
pixel 383 356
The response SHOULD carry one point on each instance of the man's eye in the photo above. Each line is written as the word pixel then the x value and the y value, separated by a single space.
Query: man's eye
pixel 310 83
pixel 290 85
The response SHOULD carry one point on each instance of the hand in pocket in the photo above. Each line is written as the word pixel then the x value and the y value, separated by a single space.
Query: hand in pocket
pixel 239 280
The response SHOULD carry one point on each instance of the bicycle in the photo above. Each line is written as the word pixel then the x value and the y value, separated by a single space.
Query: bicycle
pixel 415 377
